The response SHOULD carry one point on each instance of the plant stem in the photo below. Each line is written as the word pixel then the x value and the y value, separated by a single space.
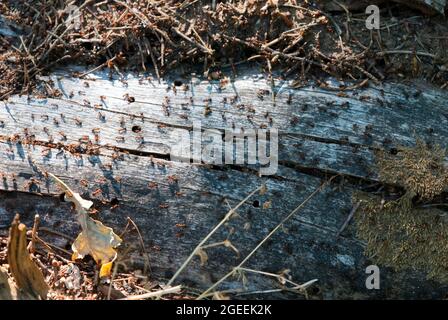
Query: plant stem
pixel 227 217
pixel 263 241
pixel 156 294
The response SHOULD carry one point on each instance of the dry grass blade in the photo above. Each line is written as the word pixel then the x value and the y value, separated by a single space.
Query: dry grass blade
pixel 292 213
pixel 281 278
pixel 155 294
pixel 199 246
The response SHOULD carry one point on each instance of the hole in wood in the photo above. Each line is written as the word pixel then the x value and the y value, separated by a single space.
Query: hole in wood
pixel 177 83
pixel 136 129
pixel 393 151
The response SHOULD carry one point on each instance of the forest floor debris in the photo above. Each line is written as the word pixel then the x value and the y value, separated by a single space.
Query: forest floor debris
pixel 41 270
pixel 68 280
pixel 302 39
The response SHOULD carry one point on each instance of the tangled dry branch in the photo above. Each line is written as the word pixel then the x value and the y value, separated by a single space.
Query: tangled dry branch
pixel 299 38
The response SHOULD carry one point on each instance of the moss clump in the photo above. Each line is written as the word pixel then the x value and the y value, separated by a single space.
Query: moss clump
pixel 400 233
pixel 419 170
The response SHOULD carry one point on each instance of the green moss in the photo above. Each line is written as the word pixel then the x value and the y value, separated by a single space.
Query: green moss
pixel 398 233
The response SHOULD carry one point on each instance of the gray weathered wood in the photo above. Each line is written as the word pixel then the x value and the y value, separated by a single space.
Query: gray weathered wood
pixel 426 6
pixel 158 193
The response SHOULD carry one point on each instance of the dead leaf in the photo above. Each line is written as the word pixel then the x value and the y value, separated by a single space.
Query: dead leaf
pixel 27 276
pixel 114 293
pixel 95 239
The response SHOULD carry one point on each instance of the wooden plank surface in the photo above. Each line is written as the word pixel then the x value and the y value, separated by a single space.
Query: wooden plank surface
pixel 426 6
pixel 316 125
pixel 322 132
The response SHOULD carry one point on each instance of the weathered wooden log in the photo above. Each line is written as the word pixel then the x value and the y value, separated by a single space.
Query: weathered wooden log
pixel 111 141
pixel 426 6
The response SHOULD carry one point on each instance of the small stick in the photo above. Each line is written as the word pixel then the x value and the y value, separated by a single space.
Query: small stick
pixel 350 216
pixel 32 245
pixel 146 21
pixel 63 235
pixel 96 68
pixel 200 46
pixel 199 246
pixel 151 54
pixel 114 273
pixel 142 243
pixel 281 278
pixel 141 55
pixel 50 247
pixel 418 53
pixel 155 294
pixel 291 214
pixel 28 52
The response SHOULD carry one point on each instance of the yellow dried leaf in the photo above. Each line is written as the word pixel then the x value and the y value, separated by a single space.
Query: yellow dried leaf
pixel 106 269
pixel 27 275
pixel 95 239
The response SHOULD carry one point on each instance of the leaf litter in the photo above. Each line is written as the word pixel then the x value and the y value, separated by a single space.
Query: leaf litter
pixel 79 277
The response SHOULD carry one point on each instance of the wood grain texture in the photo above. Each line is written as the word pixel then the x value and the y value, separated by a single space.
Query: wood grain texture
pixel 426 6
pixel 321 133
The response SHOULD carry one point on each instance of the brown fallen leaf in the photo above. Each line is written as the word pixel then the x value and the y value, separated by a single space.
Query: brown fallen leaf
pixel 27 276
pixel 95 239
